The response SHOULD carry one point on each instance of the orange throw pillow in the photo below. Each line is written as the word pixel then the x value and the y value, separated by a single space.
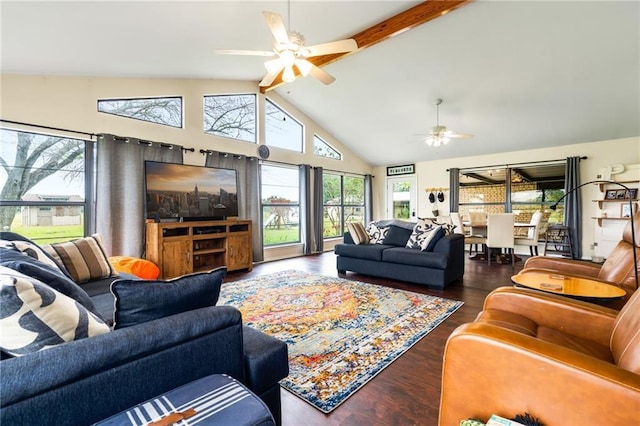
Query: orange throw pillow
pixel 132 265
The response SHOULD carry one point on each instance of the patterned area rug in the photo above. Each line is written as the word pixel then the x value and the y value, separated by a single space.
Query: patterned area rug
pixel 340 333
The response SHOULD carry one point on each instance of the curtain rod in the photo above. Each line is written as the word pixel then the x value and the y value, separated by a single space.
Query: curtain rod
pixel 519 164
pixel 59 129
pixel 209 151
pixel 146 142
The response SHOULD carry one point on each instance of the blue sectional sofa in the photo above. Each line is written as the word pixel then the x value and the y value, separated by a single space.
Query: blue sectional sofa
pixel 437 268
pixel 86 380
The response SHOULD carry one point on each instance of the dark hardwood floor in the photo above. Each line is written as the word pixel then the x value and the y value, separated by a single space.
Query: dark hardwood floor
pixel 407 392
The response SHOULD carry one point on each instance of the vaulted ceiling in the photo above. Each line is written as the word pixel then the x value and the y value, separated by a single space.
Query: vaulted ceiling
pixel 515 74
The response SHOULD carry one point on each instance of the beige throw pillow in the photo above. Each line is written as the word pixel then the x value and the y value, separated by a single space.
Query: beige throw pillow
pixel 358 233
pixel 84 258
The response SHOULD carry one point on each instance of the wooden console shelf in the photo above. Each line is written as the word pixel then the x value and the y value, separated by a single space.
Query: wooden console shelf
pixel 180 248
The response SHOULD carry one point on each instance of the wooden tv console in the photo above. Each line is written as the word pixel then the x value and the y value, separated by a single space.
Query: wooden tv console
pixel 180 248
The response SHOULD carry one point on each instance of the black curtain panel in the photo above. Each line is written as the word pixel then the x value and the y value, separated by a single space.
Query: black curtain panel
pixel 120 217
pixel 572 213
pixel 249 205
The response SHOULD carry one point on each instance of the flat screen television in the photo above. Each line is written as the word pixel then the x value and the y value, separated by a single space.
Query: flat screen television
pixel 188 193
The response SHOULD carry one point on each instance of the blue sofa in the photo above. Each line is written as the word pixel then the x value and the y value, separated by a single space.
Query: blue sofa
pixel 437 268
pixel 90 379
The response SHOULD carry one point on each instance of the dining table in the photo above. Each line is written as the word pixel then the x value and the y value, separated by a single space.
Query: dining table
pixel 479 229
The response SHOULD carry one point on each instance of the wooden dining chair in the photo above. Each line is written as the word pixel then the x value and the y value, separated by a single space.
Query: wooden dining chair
pixel 500 228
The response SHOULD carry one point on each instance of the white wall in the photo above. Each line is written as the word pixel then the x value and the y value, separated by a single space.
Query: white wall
pixel 71 103
pixel 600 154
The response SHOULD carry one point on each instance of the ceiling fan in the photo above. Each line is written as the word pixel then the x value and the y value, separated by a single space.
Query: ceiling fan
pixel 439 135
pixel 290 51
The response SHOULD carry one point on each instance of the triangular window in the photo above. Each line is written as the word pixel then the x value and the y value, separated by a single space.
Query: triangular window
pixel 323 149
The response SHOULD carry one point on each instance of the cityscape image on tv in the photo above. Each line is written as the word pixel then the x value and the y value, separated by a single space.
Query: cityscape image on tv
pixel 180 191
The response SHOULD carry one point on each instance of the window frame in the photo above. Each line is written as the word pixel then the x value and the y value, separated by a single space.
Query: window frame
pixel 295 205
pixel 342 205
pixel 255 116
pixel 180 98
pixel 87 205
pixel 287 115
pixel 329 146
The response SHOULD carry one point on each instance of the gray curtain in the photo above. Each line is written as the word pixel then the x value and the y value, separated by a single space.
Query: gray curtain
pixel 318 211
pixel 306 225
pixel 368 198
pixel 454 189
pixel 572 215
pixel 248 191
pixel 120 217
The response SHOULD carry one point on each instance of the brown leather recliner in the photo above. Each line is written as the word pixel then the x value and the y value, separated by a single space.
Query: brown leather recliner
pixel 618 269
pixel 564 361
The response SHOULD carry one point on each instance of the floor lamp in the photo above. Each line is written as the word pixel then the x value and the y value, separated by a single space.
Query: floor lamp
pixel 633 231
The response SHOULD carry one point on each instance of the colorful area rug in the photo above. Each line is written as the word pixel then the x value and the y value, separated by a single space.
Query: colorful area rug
pixel 340 333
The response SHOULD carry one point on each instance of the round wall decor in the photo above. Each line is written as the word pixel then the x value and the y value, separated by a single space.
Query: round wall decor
pixel 263 152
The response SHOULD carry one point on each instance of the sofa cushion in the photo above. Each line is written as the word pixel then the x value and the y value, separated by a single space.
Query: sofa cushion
pixel 406 256
pixel 362 251
pixel 138 301
pixel 425 234
pixel 429 243
pixel 448 227
pixel 358 233
pixel 48 275
pixel 397 236
pixel 376 233
pixel 84 258
pixel 34 316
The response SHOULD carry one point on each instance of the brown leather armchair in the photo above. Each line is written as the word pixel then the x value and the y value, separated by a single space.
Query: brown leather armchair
pixel 564 361
pixel 618 269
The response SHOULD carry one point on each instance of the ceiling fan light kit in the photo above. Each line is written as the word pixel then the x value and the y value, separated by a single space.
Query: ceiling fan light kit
pixel 290 51
pixel 439 135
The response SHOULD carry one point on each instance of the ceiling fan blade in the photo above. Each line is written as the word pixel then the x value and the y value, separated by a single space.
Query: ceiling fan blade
pixel 279 31
pixel 243 52
pixel 321 75
pixel 303 66
pixel 267 80
pixel 274 66
pixel 452 134
pixel 347 45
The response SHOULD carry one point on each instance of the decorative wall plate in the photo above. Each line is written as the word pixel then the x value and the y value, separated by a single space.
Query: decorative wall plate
pixel 263 152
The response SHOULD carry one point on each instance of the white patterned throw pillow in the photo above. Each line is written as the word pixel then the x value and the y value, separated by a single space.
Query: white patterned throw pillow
pixel 34 316
pixel 376 233
pixel 424 233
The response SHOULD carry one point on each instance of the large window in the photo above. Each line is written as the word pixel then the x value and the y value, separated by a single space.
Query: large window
pixel 343 201
pixel 522 190
pixel 281 129
pixel 280 204
pixel 231 116
pixel 165 111
pixel 44 185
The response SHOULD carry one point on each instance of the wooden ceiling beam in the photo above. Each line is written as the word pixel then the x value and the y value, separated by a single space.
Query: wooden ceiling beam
pixel 391 27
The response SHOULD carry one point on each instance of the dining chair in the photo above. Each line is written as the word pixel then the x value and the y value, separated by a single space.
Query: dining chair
pixel 478 223
pixel 500 228
pixel 472 240
pixel 531 239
